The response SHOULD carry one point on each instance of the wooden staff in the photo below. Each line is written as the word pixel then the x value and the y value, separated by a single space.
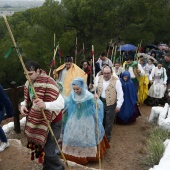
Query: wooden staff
pixel 30 82
pixel 140 43
pixel 59 53
pixel 112 54
pixel 120 56
pixel 115 54
pixel 55 51
pixel 108 52
pixel 97 116
pixel 136 53
pixel 76 52
pixel 91 74
pixel 84 52
pixel 54 43
pixel 109 48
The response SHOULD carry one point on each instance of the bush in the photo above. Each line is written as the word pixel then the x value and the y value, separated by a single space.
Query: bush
pixel 155 146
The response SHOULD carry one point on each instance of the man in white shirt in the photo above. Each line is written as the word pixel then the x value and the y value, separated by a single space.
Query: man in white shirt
pixel 135 70
pixel 109 90
pixel 104 60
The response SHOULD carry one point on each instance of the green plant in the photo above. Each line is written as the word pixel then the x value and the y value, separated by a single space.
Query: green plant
pixel 155 146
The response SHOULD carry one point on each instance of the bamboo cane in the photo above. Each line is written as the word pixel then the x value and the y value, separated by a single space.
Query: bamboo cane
pixel 59 54
pixel 108 52
pixel 55 51
pixel 137 52
pixel 114 60
pixel 96 108
pixel 91 74
pixel 27 76
pixel 120 56
pixel 54 43
pixel 84 52
pixel 140 43
pixel 112 54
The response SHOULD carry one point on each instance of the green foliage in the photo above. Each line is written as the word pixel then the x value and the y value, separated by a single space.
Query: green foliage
pixel 93 22
pixel 155 145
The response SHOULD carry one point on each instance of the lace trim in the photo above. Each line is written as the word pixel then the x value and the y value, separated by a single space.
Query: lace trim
pixel 79 152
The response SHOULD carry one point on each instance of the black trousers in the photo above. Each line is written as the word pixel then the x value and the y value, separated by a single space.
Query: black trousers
pixel 109 116
pixel 51 160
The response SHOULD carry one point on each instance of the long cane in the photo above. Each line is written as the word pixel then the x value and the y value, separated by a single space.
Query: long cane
pixel 96 108
pixel 25 71
pixel 55 51
pixel 76 52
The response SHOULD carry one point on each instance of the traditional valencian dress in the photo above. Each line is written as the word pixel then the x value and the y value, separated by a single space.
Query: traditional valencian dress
pixel 80 138
pixel 129 110
pixel 158 88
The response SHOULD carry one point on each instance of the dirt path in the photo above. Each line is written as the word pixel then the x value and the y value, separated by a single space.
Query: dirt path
pixel 127 145
pixel 126 152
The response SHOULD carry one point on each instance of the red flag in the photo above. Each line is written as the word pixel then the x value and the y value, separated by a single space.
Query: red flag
pixel 52 63
pixel 59 52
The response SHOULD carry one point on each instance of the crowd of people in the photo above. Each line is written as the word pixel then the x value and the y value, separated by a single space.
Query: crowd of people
pixel 82 104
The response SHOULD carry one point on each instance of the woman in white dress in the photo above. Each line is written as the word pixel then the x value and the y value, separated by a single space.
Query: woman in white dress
pixel 157 90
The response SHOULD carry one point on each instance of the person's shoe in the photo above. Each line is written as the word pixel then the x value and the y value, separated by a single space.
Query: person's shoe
pixel 3 146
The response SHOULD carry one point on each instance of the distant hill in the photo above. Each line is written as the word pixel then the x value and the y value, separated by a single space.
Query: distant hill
pixel 20 3
pixel 9 7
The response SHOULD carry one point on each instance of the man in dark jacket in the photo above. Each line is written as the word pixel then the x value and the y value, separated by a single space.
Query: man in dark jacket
pixel 4 103
pixel 166 65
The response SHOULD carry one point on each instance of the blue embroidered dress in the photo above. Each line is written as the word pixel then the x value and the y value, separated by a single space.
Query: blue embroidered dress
pixel 80 138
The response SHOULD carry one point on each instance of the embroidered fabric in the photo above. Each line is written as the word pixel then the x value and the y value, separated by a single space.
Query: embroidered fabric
pixel 157 90
pixel 79 152
pixel 80 125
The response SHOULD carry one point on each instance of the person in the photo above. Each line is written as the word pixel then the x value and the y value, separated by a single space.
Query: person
pixel 4 103
pixel 85 66
pixel 148 68
pixel 109 90
pixel 101 71
pixel 66 73
pixel 142 62
pixel 155 56
pixel 166 65
pixel 158 87
pixel 104 60
pixel 80 137
pixel 163 53
pixel 36 128
pixel 135 70
pixel 97 66
pixel 117 69
pixel 129 110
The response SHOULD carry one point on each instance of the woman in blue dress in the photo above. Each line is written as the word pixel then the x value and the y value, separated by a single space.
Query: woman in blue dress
pixel 129 110
pixel 80 138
